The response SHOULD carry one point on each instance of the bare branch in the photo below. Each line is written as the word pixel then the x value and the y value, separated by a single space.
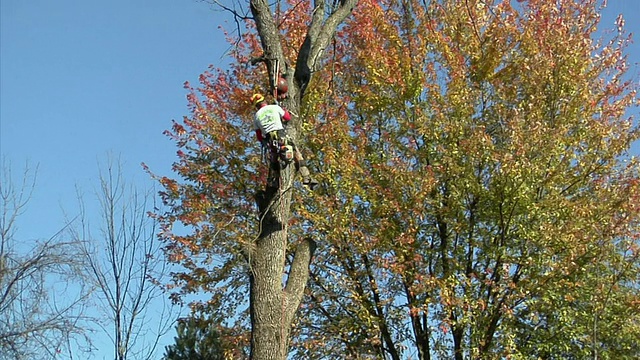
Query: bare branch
pixel 33 321
pixel 122 260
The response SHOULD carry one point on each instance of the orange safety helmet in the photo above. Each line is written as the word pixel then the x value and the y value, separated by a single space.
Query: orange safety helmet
pixel 256 99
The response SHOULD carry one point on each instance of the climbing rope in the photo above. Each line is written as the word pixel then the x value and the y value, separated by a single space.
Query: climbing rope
pixel 284 254
pixel 275 79
pixel 276 74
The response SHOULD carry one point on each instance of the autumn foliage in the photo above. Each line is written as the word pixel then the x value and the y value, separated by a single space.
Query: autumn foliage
pixel 477 198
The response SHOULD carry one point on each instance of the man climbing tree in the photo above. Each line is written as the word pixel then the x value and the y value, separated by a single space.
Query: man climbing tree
pixel 219 166
pixel 273 307
pixel 270 132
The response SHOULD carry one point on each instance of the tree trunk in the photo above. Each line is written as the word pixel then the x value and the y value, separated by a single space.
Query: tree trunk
pixel 273 304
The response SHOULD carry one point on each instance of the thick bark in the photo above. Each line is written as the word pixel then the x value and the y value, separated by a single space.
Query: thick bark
pixel 268 298
pixel 273 305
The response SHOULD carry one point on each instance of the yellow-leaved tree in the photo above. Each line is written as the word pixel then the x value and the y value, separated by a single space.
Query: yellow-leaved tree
pixel 477 197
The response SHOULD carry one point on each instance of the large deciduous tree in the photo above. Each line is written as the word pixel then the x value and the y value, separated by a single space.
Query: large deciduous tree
pixel 224 174
pixel 478 200
pixel 483 203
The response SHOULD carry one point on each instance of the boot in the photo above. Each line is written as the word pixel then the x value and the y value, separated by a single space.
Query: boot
pixel 307 179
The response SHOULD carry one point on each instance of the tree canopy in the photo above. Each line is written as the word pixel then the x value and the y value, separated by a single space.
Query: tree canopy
pixel 477 201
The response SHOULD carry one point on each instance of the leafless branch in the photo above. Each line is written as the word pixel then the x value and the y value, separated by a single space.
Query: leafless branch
pixel 33 320
pixel 122 259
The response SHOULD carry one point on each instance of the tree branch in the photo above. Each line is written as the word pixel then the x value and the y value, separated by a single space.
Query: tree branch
pixel 269 35
pixel 318 37
pixel 298 275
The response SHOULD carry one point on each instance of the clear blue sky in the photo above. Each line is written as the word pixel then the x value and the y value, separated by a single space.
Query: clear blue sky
pixel 81 78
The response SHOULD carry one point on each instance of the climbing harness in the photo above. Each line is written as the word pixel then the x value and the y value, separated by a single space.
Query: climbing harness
pixel 279 153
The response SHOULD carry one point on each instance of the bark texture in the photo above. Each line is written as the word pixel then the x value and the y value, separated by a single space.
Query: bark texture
pixel 274 302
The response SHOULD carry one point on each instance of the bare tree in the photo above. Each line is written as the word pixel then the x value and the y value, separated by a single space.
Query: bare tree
pixel 42 295
pixel 123 261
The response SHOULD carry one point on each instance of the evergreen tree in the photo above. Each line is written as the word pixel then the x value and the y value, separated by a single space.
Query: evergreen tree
pixel 197 339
